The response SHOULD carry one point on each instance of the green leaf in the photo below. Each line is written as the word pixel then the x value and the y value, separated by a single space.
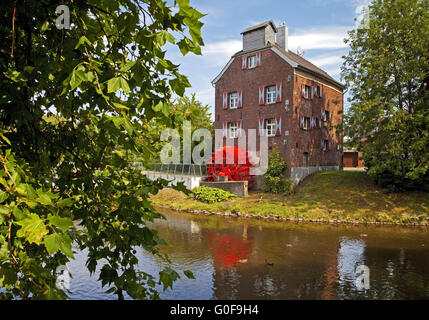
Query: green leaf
pixel 4 250
pixel 124 85
pixel 120 106
pixel 167 277
pixel 45 26
pixel 164 36
pixel 19 214
pixel 56 241
pixel 118 121
pixel 27 191
pixel 117 83
pixel 82 41
pixel 62 223
pixel 113 85
pixel 189 274
pixel 3 196
pixel 127 66
pixel 33 229
pixel 178 86
pixel 44 199
pixel 77 77
pixel 128 126
pixel 68 202
pixel 5 138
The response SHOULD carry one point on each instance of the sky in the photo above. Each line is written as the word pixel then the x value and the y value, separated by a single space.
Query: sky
pixel 317 26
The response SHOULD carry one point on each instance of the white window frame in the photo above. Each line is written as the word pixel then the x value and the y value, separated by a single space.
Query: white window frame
pixel 233 130
pixel 307 123
pixel 270 127
pixel 326 115
pixel 251 62
pixel 271 96
pixel 233 100
pixel 319 91
pixel 307 92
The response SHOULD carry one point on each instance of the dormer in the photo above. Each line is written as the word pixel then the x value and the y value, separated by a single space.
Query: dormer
pixel 258 36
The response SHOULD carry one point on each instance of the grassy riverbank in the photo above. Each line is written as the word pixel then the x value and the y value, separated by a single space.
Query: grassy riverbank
pixel 332 196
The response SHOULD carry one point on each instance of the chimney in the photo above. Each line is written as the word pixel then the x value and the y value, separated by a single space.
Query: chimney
pixel 282 36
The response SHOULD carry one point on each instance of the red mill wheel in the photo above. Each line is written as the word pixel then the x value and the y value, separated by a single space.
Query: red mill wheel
pixel 233 162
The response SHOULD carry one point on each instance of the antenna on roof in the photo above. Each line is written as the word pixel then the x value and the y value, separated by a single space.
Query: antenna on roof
pixel 299 51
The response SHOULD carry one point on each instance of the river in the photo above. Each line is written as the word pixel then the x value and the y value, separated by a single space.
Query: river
pixel 251 259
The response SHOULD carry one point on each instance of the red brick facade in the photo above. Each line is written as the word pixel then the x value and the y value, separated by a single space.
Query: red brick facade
pixel 299 147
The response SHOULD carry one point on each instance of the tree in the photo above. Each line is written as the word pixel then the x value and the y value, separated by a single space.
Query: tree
pixel 274 179
pixel 99 78
pixel 385 68
pixel 186 108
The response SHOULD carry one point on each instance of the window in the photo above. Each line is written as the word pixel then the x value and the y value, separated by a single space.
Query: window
pixel 233 130
pixel 271 94
pixel 307 92
pixel 233 100
pixel 270 127
pixel 305 159
pixel 306 123
pixel 326 115
pixel 251 62
pixel 319 91
pixel 326 145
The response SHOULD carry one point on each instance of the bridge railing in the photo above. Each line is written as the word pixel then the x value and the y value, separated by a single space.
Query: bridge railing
pixel 195 170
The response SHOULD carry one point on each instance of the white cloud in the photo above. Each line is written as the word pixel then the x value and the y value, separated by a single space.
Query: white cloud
pixel 331 37
pixel 326 60
pixel 219 53
pixel 206 95
pixel 334 72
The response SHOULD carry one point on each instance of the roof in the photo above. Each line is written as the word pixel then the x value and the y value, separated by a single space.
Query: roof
pixel 303 62
pixel 261 25
pixel 293 59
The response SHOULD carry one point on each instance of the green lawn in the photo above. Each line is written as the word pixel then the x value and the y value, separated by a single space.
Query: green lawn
pixel 332 195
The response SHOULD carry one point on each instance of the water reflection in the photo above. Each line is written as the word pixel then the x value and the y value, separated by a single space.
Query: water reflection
pixel 243 259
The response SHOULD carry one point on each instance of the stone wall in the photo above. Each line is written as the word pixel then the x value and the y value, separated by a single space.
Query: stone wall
pixel 239 188
pixel 298 174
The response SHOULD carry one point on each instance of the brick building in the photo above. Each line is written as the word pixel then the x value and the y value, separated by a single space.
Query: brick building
pixel 282 95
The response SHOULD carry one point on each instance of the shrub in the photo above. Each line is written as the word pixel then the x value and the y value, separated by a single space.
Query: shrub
pixel 211 195
pixel 274 180
pixel 277 185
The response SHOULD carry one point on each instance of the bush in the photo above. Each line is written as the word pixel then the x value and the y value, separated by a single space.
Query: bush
pixel 211 195
pixel 395 176
pixel 274 180
pixel 277 185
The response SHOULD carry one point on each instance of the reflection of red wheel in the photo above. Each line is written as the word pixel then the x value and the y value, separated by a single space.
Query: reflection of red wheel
pixel 233 162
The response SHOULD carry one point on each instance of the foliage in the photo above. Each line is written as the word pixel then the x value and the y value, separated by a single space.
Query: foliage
pixel 277 185
pixel 100 79
pixel 386 70
pixel 186 108
pixel 274 179
pixel 211 195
